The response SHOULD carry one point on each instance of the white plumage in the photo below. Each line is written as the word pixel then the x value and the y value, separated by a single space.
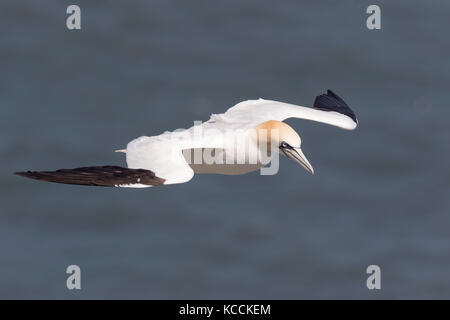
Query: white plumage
pixel 233 142
pixel 163 153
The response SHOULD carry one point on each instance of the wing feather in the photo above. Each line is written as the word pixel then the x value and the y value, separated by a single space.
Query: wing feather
pixel 163 154
pixel 103 176
pixel 329 109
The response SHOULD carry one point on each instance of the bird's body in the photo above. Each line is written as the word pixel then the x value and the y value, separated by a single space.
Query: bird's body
pixel 243 139
pixel 219 168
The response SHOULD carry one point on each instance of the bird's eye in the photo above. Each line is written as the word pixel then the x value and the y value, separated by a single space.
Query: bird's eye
pixel 284 144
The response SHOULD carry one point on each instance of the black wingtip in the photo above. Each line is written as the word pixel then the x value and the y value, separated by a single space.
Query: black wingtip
pixel 103 176
pixel 330 101
pixel 23 173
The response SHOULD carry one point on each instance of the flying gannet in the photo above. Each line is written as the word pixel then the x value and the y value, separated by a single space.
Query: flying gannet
pixel 229 143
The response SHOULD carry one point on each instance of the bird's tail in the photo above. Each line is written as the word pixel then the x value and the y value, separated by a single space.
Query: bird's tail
pixel 104 176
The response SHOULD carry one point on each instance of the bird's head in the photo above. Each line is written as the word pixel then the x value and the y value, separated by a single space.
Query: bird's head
pixel 285 139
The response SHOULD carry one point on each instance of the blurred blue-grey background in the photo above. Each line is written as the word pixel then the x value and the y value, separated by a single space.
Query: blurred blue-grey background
pixel 380 194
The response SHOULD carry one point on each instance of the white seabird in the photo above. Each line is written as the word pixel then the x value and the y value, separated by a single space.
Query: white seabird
pixel 167 158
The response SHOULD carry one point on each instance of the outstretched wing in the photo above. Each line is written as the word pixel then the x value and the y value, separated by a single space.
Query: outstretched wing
pixel 103 176
pixel 328 108
pixel 161 154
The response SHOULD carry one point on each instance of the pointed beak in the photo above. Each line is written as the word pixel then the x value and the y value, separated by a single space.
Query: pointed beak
pixel 297 155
